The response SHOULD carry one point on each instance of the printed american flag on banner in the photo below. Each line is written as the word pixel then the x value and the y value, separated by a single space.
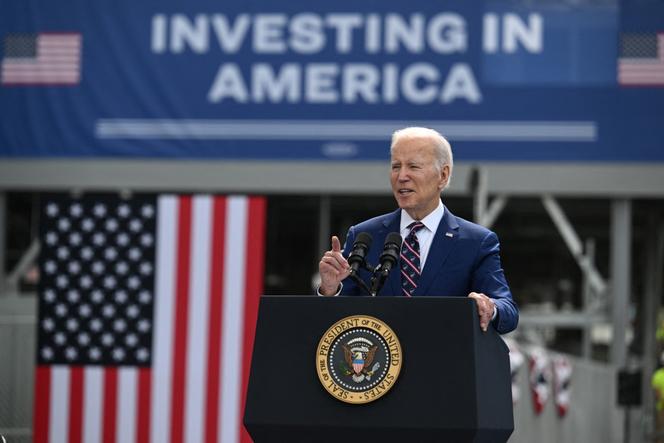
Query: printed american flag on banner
pixel 41 59
pixel 147 313
pixel 641 61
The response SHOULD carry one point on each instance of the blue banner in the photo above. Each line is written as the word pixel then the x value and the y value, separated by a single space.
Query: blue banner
pixel 503 80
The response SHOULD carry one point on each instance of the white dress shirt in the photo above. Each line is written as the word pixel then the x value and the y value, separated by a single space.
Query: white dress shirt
pixel 426 234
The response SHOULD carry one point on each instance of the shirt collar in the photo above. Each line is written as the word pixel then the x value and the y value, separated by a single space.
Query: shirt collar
pixel 431 221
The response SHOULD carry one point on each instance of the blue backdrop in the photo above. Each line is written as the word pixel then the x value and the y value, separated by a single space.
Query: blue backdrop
pixel 504 80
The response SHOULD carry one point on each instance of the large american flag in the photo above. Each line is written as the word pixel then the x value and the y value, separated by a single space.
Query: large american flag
pixel 147 312
pixel 641 61
pixel 41 59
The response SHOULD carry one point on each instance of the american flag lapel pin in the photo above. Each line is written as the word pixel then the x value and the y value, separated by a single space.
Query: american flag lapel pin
pixel 449 234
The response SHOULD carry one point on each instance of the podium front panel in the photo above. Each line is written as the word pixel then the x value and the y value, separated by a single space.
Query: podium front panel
pixel 436 394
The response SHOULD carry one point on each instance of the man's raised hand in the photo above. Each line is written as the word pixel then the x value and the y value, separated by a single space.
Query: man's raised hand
pixel 333 268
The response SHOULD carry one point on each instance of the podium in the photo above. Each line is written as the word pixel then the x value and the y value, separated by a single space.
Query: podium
pixel 453 386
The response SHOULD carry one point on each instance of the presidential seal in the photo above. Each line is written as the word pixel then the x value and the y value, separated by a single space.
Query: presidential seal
pixel 358 359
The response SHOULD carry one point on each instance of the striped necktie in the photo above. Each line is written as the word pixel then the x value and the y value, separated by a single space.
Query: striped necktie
pixel 410 260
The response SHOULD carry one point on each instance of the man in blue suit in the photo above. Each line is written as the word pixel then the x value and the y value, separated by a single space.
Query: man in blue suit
pixel 442 254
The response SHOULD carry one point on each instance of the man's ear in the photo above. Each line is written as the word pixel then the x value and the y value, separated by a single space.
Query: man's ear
pixel 444 177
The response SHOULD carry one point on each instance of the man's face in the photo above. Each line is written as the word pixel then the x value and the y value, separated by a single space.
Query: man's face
pixel 416 183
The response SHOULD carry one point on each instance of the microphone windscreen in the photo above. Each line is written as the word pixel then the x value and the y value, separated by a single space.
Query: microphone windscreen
pixel 364 238
pixel 395 238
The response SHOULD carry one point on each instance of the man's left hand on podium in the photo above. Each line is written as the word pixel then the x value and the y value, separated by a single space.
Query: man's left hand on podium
pixel 486 309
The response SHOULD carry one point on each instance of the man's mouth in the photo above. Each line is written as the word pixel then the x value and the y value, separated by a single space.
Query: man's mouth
pixel 405 191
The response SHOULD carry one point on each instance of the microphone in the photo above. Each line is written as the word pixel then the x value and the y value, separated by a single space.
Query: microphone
pixel 357 257
pixel 388 259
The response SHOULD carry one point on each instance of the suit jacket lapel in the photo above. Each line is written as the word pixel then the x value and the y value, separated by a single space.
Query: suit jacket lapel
pixel 443 242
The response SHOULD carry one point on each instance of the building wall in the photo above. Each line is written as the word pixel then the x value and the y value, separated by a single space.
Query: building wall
pixel 17 354
pixel 593 416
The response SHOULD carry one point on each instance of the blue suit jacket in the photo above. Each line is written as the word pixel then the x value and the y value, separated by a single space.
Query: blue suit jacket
pixel 467 261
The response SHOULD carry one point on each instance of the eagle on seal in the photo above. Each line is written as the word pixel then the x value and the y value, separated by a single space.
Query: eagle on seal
pixel 357 360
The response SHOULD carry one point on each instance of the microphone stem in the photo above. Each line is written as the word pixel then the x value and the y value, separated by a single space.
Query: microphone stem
pixel 378 280
pixel 356 278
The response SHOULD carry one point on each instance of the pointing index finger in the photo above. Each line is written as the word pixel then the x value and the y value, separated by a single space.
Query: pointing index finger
pixel 336 244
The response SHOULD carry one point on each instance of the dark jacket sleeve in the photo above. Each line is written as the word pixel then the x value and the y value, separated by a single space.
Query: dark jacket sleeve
pixel 489 279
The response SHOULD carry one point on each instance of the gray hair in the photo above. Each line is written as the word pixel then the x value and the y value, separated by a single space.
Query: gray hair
pixel 442 149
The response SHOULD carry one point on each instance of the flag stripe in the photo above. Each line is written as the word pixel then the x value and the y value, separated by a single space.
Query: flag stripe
pixel 233 315
pixel 179 325
pixel 254 289
pixel 58 48
pixel 40 75
pixel 94 381
pixel 641 73
pixel 127 385
pixel 164 306
pixel 77 375
pixel 42 402
pixel 59 37
pixel 651 67
pixel 644 75
pixel 55 61
pixel 52 80
pixel 110 405
pixel 215 315
pixel 72 48
pixel 38 72
pixel 59 416
pixel 198 318
pixel 52 65
pixel 52 47
pixel 143 405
